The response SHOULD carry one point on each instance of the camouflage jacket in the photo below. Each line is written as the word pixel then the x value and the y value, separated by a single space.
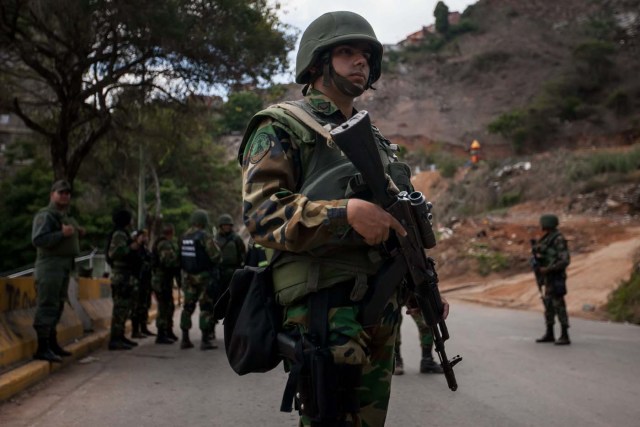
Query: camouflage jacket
pixel 276 212
pixel 553 252
pixel 166 259
pixel 120 252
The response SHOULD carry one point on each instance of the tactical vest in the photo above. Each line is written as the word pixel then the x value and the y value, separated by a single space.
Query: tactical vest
pixel 327 175
pixel 193 255
pixel 67 246
pixel 230 256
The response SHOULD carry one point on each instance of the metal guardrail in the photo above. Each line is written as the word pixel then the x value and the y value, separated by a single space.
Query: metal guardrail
pixel 92 257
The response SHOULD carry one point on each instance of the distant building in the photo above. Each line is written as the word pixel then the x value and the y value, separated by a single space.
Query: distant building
pixel 419 36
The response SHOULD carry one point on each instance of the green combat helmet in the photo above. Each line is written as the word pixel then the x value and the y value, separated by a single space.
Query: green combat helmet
pixel 200 217
pixel 224 219
pixel 548 221
pixel 332 29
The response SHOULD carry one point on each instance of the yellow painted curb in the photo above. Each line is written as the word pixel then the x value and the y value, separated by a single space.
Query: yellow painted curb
pixel 20 378
pixel 26 375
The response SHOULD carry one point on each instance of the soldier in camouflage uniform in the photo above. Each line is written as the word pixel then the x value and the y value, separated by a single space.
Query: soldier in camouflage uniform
pixel 552 254
pixel 232 249
pixel 55 235
pixel 142 288
pixel 427 364
pixel 166 268
pixel 121 256
pixel 301 198
pixel 200 259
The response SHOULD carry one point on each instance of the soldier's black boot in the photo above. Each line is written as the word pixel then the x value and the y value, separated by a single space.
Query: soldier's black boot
pixel 548 336
pixel 427 364
pixel 162 338
pixel 135 330
pixel 128 341
pixel 399 363
pixel 186 342
pixel 171 335
pixel 206 343
pixel 55 347
pixel 146 331
pixel 116 343
pixel 564 337
pixel 44 351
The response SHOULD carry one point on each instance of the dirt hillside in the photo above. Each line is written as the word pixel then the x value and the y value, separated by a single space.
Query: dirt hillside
pixel 603 249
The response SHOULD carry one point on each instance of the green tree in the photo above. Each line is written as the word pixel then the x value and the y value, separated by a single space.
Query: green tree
pixel 67 64
pixel 441 13
pixel 240 107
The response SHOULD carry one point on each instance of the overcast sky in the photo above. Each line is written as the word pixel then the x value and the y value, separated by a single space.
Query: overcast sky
pixel 392 20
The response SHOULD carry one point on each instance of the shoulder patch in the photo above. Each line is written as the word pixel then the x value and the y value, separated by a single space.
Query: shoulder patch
pixel 260 146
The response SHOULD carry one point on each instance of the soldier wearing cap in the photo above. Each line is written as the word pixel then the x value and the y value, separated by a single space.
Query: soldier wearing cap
pixel 552 254
pixel 302 198
pixel 55 234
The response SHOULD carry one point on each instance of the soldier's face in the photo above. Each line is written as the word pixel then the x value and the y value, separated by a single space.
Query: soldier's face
pixel 351 61
pixel 61 198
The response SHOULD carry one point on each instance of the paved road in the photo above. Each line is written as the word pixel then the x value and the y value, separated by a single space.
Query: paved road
pixel 505 380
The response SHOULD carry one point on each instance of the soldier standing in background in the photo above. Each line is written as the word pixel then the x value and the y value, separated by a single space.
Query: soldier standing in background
pixel 55 235
pixel 121 256
pixel 233 253
pixel 302 197
pixel 552 255
pixel 427 363
pixel 199 260
pixel 142 288
pixel 166 267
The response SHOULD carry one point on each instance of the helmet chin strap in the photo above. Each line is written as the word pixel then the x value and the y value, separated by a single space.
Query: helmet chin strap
pixel 343 84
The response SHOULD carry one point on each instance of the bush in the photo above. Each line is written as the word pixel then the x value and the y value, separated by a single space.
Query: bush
pixel 619 102
pixel 624 302
pixel 488 260
pixel 587 167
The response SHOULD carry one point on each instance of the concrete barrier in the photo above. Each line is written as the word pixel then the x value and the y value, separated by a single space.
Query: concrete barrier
pixel 17 309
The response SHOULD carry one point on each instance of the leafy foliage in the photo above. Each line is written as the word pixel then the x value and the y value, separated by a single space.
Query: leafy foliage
pixel 624 302
pixel 70 64
pixel 237 111
pixel 441 13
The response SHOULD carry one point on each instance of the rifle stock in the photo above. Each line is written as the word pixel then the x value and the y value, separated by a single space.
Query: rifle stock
pixel 408 260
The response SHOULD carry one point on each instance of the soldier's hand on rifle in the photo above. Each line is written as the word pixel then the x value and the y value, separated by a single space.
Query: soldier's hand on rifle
pixel 371 221
pixel 412 307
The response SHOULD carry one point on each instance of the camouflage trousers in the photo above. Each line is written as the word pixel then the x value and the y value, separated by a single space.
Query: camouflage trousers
pixel 426 336
pixel 52 285
pixel 555 306
pixel 163 288
pixel 194 288
pixel 350 343
pixel 141 302
pixel 122 290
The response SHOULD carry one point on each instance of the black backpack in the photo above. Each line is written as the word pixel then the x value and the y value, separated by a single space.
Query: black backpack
pixel 252 321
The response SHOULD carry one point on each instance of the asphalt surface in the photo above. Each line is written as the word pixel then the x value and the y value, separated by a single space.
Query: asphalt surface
pixel 505 379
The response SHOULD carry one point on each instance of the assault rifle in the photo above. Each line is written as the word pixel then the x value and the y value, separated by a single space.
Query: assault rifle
pixel 407 256
pixel 535 266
